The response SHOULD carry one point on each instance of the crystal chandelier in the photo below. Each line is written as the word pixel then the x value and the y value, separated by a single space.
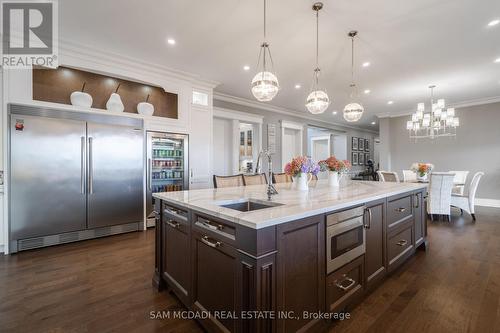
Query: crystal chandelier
pixel 317 101
pixel 353 111
pixel 265 84
pixel 436 123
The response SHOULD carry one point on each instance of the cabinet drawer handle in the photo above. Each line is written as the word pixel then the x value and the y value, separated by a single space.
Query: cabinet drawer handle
pixel 173 211
pixel 349 286
pixel 173 224
pixel 402 242
pixel 417 205
pixel 367 226
pixel 400 209
pixel 209 225
pixel 205 240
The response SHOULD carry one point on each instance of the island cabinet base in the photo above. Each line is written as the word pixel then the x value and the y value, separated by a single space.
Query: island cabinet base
pixel 275 279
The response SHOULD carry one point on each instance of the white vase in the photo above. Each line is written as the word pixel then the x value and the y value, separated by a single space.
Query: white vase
pixel 334 178
pixel 422 178
pixel 145 108
pixel 79 98
pixel 115 103
pixel 301 181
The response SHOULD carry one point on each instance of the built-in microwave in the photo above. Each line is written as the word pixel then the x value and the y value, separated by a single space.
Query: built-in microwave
pixel 345 240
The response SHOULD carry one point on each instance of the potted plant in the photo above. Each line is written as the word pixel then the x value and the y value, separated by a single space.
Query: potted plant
pixel 422 170
pixel 336 169
pixel 302 168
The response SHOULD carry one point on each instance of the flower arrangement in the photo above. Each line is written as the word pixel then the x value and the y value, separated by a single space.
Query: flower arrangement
pixel 422 169
pixel 300 165
pixel 335 165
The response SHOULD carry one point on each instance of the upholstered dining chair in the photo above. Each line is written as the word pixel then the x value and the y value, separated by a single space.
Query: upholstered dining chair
pixel 409 176
pixel 459 181
pixel 439 198
pixel 228 181
pixel 259 179
pixel 466 202
pixel 388 176
pixel 281 178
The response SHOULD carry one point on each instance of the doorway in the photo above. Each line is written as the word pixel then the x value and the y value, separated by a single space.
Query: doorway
pixel 291 141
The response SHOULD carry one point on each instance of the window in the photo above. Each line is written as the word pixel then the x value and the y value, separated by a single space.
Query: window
pixel 200 98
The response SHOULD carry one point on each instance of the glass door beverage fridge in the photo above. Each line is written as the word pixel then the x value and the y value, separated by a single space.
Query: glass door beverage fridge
pixel 167 166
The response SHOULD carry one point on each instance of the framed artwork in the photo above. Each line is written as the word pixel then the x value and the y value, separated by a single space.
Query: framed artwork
pixel 354 159
pixel 354 143
pixel 361 144
pixel 367 145
pixel 361 159
pixel 367 157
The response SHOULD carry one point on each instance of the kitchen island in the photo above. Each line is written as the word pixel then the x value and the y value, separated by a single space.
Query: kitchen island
pixel 246 264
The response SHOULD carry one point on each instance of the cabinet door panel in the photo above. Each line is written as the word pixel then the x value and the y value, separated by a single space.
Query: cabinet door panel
pixel 301 270
pixel 176 258
pixel 214 279
pixel 375 248
pixel 200 149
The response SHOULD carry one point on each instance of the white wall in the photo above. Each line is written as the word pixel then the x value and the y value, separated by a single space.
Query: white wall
pixel 339 146
pixel 223 146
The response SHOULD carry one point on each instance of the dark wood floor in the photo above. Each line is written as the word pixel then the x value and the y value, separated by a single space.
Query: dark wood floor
pixel 104 285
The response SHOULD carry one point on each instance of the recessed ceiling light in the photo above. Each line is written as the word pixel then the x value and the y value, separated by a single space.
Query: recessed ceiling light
pixel 171 41
pixel 298 86
pixel 367 91
pixel 334 113
pixel 493 23
pixel 373 123
pixel 366 64
pixel 390 102
pixel 246 68
pixel 497 60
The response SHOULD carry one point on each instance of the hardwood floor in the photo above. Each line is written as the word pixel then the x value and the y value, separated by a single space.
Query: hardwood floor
pixel 453 287
pixel 104 285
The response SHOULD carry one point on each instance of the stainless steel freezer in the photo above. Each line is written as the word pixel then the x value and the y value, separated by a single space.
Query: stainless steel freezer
pixel 72 176
pixel 167 166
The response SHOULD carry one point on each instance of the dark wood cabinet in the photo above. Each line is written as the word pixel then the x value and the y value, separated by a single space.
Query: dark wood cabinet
pixel 375 257
pixel 345 286
pixel 214 280
pixel 227 269
pixel 301 271
pixel 400 245
pixel 399 210
pixel 176 240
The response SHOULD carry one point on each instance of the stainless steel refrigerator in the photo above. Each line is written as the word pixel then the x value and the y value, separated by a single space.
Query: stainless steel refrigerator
pixel 72 176
pixel 167 166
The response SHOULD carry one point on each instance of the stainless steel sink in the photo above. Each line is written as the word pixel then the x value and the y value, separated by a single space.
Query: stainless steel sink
pixel 250 205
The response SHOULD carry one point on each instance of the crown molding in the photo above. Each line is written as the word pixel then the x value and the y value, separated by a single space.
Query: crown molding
pixel 458 105
pixel 278 109
pixel 81 51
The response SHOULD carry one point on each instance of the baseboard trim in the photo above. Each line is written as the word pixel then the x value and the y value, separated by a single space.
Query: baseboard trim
pixel 487 202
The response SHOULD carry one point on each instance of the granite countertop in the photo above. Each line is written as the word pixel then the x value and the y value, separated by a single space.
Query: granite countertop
pixel 296 204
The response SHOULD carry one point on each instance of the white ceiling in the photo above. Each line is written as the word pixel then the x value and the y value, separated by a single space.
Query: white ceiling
pixel 410 45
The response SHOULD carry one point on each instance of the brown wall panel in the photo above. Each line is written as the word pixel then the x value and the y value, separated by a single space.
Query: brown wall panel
pixel 56 85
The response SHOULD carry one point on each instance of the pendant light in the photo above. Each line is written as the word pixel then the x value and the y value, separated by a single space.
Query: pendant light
pixel 317 101
pixel 353 111
pixel 265 84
